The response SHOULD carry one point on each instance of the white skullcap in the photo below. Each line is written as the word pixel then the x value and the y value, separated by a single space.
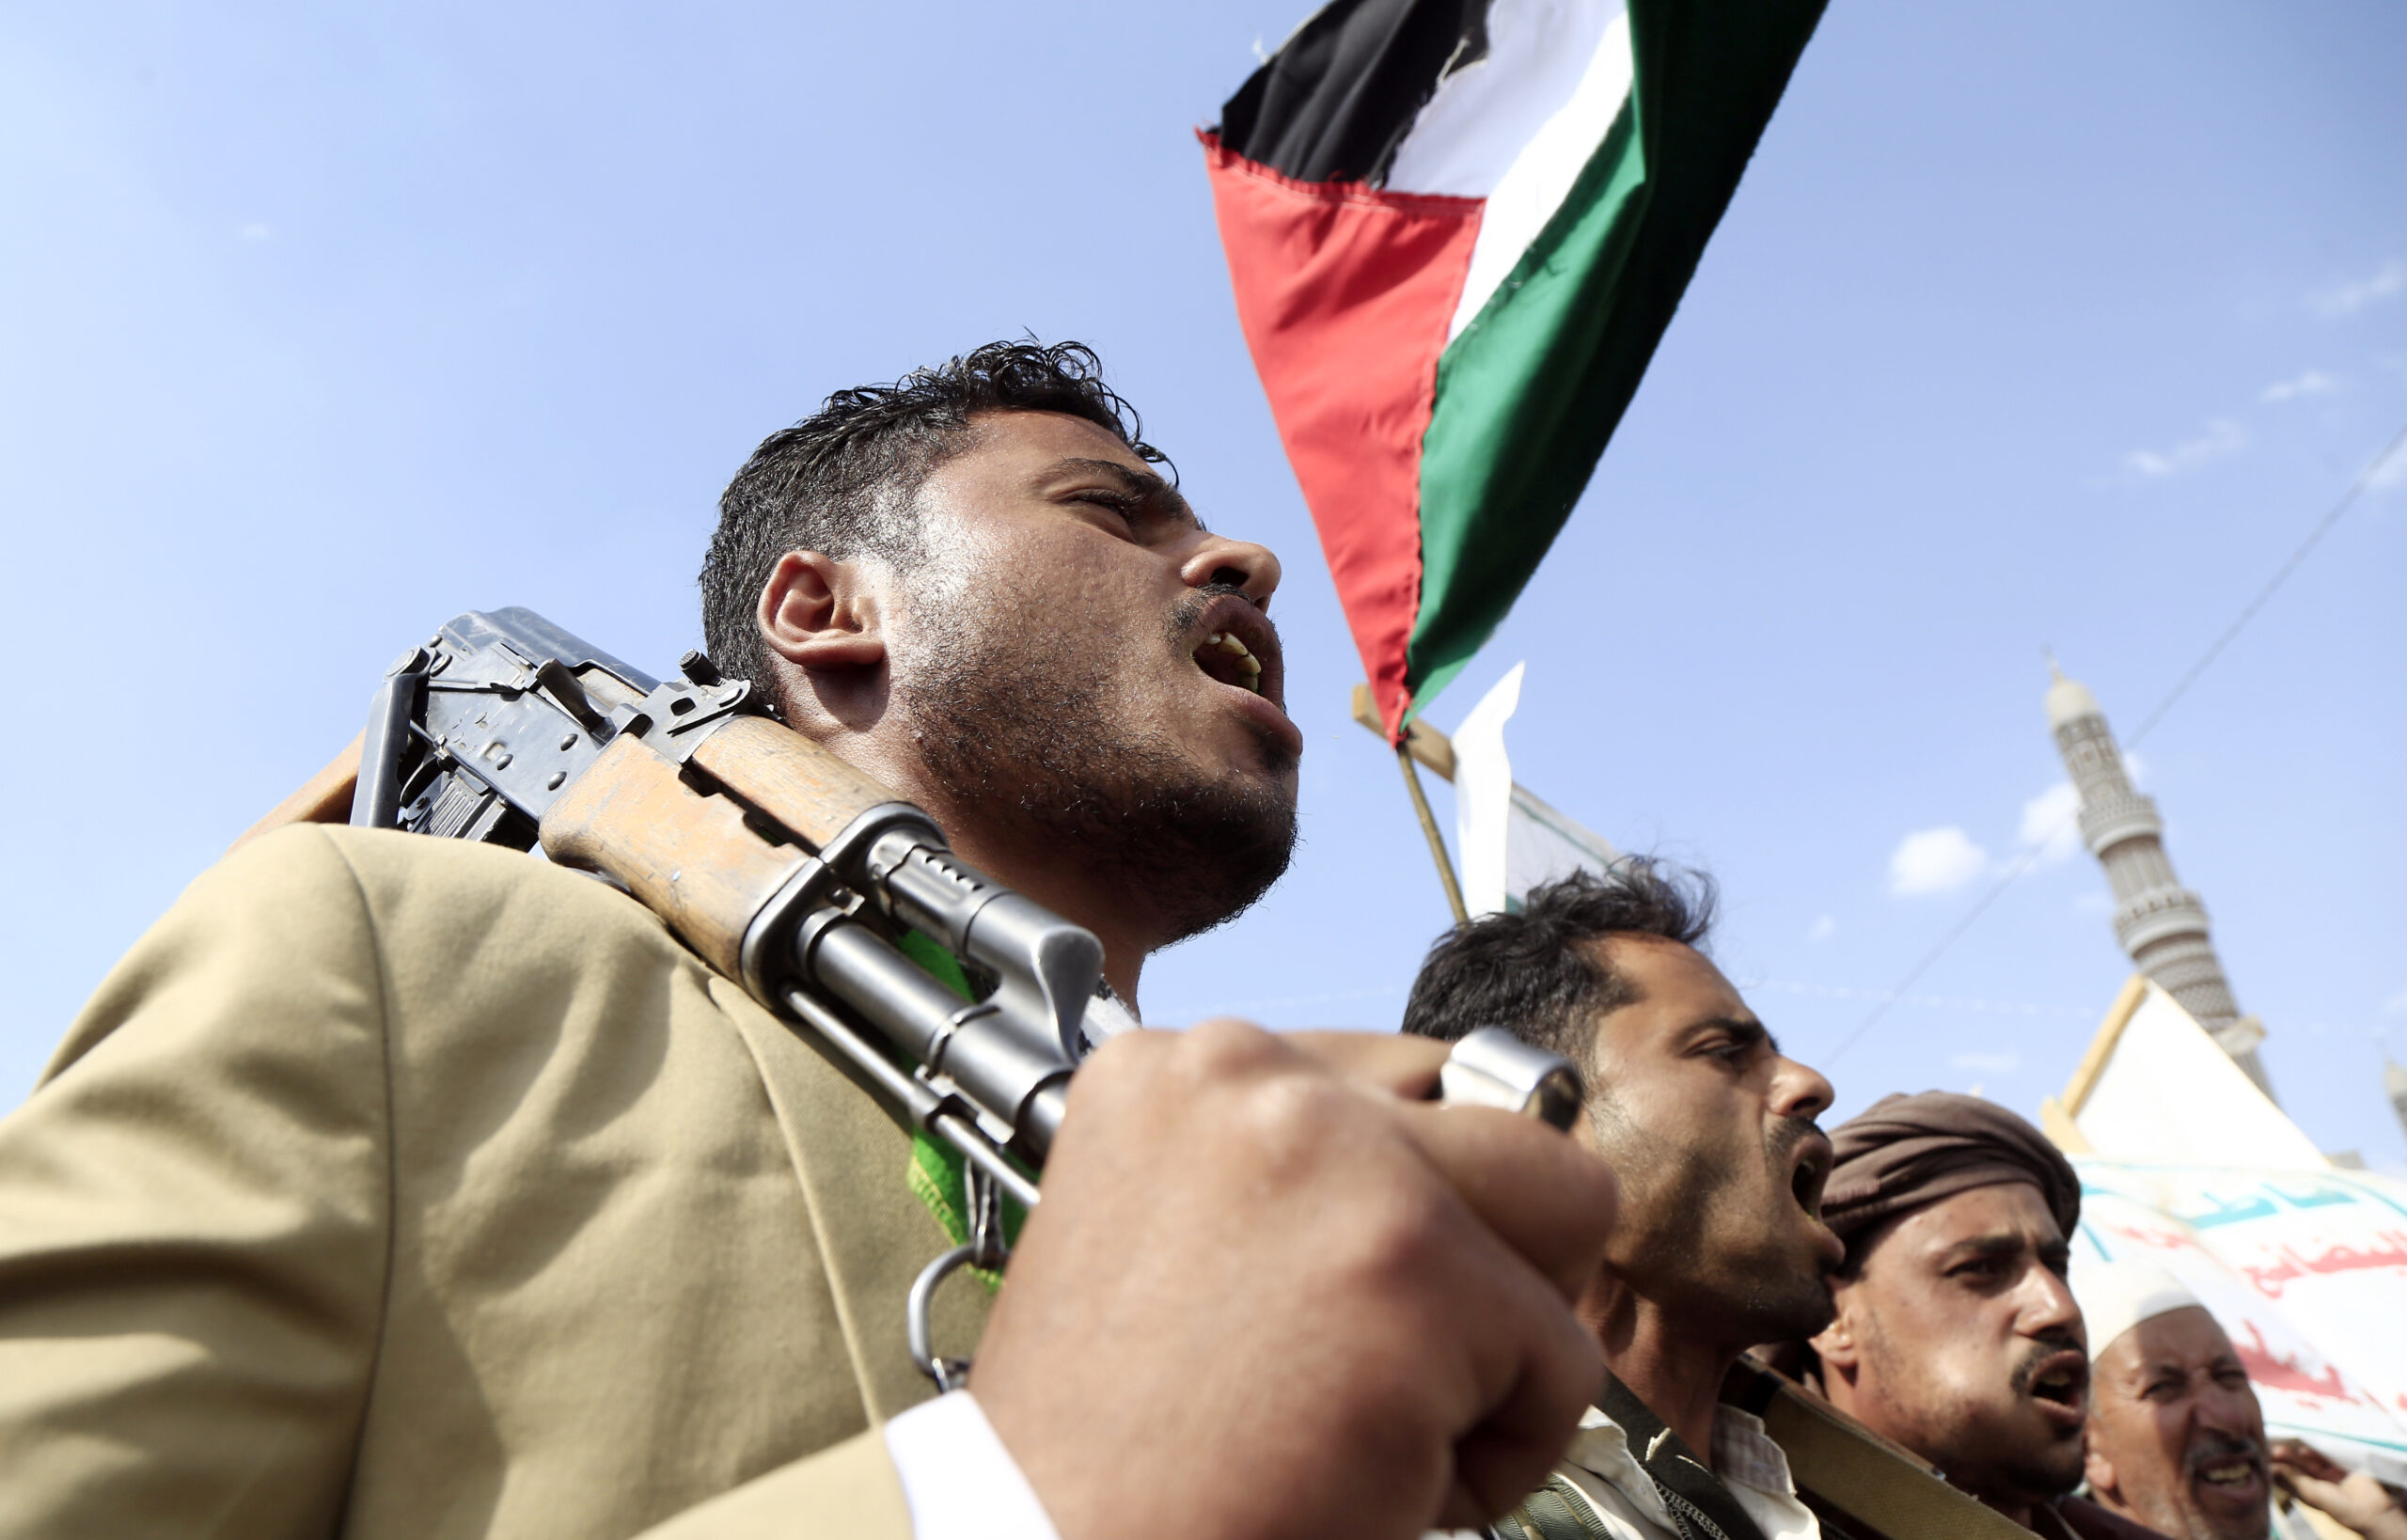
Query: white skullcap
pixel 2117 1296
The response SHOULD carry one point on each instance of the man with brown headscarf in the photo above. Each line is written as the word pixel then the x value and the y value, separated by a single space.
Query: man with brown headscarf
pixel 1957 1334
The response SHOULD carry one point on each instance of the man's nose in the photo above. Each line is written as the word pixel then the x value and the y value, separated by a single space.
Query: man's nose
pixel 2048 1304
pixel 2232 1413
pixel 1798 1091
pixel 1239 563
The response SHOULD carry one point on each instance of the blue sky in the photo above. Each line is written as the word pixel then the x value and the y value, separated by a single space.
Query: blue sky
pixel 2032 324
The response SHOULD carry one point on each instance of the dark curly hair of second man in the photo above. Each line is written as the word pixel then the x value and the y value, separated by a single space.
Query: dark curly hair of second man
pixel 1540 972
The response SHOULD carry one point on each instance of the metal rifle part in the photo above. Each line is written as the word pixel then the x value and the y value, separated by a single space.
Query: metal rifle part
pixel 473 735
pixel 1490 1067
pixel 398 702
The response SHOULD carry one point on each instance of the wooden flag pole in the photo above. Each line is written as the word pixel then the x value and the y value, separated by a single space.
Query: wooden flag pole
pixel 1429 827
pixel 1426 743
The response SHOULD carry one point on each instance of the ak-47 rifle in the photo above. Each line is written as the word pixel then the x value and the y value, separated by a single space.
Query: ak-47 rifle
pixel 789 870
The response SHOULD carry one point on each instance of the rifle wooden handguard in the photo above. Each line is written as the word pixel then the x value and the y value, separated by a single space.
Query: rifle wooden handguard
pixel 689 856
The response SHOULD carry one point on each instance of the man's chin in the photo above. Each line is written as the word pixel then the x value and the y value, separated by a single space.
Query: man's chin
pixel 2054 1468
pixel 1228 852
pixel 2233 1511
pixel 1795 1311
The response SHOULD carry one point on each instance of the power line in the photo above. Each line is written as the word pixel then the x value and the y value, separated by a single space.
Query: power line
pixel 2023 862
pixel 2248 612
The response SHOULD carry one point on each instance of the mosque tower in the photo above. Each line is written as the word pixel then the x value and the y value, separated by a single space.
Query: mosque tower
pixel 2159 922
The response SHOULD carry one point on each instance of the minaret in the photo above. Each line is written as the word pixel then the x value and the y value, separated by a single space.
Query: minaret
pixel 2394 1085
pixel 2159 922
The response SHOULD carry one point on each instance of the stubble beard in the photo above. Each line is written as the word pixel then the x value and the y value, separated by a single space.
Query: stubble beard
pixel 1973 1455
pixel 1701 1232
pixel 1025 740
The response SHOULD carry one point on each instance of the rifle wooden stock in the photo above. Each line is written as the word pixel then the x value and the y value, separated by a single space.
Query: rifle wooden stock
pixel 324 798
pixel 790 778
pixel 1858 1483
pixel 688 857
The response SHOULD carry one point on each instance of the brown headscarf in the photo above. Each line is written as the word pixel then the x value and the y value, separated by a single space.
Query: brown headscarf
pixel 1904 1152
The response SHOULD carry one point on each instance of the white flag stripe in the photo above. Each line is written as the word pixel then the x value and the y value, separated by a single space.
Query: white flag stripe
pixel 1541 176
pixel 1481 116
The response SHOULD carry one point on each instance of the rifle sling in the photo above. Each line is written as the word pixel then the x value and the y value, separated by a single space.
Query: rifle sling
pixel 1702 1508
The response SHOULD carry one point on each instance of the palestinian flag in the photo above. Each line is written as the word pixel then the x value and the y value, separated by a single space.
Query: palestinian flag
pixel 1457 229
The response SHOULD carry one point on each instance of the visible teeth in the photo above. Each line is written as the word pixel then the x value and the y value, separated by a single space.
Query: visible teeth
pixel 1249 667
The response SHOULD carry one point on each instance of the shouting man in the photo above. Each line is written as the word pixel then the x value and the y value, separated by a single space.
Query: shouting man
pixel 1710 1131
pixel 400 1187
pixel 1957 1334
pixel 2177 1438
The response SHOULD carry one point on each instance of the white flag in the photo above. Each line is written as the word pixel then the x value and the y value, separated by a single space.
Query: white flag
pixel 1510 838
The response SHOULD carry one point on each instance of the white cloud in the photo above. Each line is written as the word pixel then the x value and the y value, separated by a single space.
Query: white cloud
pixel 2397 1004
pixel 1987 1063
pixel 1935 861
pixel 2347 299
pixel 254 232
pixel 2049 822
pixel 2223 436
pixel 1822 929
pixel 2313 382
pixel 2390 473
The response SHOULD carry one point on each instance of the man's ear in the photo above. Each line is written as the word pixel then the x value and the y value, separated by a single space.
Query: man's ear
pixel 1838 1345
pixel 820 614
pixel 2098 1471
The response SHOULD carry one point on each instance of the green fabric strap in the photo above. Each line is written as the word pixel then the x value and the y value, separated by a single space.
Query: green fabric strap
pixel 1555 1511
pixel 938 1173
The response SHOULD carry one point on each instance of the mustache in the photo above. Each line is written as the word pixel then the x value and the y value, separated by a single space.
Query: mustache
pixel 1192 605
pixel 2212 1444
pixel 1783 1141
pixel 2045 1346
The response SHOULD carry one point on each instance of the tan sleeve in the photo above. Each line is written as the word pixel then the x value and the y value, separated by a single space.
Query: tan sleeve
pixel 193 1220
pixel 849 1490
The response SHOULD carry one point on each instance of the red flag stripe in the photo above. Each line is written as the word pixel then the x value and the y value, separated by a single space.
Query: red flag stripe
pixel 1346 292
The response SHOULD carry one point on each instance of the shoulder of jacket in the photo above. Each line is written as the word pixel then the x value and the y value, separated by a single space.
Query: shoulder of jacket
pixel 416 886
pixel 472 868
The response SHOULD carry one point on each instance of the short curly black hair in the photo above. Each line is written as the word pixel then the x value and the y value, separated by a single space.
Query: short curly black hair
pixel 1534 972
pixel 842 481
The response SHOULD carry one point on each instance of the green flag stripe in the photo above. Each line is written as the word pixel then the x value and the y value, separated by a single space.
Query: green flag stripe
pixel 1529 392
pixel 1527 395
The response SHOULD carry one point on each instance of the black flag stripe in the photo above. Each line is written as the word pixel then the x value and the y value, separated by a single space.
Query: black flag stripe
pixel 1338 98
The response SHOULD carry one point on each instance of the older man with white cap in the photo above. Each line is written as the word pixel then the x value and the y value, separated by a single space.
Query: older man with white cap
pixel 2177 1441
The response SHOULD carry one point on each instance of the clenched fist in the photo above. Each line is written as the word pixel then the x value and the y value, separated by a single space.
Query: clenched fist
pixel 1274 1291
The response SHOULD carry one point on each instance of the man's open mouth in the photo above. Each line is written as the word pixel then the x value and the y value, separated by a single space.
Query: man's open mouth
pixel 1812 1170
pixel 1225 656
pixel 2230 1471
pixel 2063 1379
pixel 1237 647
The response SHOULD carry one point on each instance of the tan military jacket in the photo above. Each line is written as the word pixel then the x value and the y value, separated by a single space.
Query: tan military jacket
pixel 393 1186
